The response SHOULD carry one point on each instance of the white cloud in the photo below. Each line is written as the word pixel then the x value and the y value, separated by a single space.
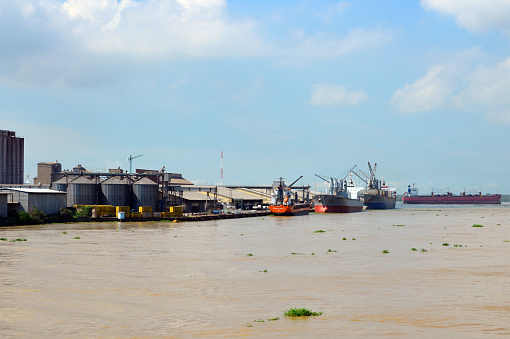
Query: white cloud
pixel 484 90
pixel 75 41
pixel 477 16
pixel 335 95
pixel 488 91
pixel 425 94
pixel 327 45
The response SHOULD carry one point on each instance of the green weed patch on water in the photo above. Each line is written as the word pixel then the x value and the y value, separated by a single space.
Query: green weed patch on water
pixel 319 231
pixel 330 250
pixel 300 312
pixel 296 253
pixel 385 251
pixel 446 244
pixel 249 255
pixel 423 250
pixel 399 225
pixel 344 238
pixel 17 240
pixel 274 319
pixel 3 239
pixel 76 238
pixel 477 225
pixel 414 249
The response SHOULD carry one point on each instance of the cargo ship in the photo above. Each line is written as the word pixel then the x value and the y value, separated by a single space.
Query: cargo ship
pixel 378 195
pixel 286 203
pixel 412 197
pixel 341 197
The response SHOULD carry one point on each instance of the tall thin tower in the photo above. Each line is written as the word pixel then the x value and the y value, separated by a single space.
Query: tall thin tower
pixel 221 177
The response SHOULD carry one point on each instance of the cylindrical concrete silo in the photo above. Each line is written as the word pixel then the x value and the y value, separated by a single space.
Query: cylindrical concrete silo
pixel 115 191
pixel 145 193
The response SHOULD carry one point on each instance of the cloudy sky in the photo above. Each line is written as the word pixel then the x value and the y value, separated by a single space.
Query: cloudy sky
pixel 283 88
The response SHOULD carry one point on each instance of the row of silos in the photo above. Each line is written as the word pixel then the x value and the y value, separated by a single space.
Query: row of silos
pixel 113 191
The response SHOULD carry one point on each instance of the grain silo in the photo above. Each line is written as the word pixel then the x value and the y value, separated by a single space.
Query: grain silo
pixel 82 191
pixel 145 193
pixel 115 191
pixel 61 184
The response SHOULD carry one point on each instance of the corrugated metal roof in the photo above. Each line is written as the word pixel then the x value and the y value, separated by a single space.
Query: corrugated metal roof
pixel 32 190
pixel 83 180
pixel 114 181
pixel 145 181
pixel 179 181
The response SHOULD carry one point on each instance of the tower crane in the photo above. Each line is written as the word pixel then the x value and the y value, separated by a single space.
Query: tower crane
pixel 130 159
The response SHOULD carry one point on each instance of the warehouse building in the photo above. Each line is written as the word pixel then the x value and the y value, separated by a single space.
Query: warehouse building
pixel 26 199
pixel 12 155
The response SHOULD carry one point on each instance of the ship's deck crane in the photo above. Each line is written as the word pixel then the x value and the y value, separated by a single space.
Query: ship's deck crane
pixel 130 159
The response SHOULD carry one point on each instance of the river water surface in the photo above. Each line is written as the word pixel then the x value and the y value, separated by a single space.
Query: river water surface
pixel 229 278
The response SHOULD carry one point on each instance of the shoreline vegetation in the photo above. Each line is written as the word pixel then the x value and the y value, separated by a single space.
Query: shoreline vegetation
pixel 71 215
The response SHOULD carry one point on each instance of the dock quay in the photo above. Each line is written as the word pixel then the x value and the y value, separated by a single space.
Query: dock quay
pixel 184 218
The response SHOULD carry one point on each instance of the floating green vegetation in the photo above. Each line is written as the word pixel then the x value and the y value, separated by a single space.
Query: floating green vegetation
pixel 446 244
pixel 399 225
pixel 242 234
pixel 300 312
pixel 76 238
pixel 344 238
pixel 455 245
pixel 385 251
pixel 249 325
pixel 265 271
pixel 330 250
pixel 414 249
pixel 319 231
pixel 312 253
pixel 15 240
pixel 259 321
pixel 3 239
pixel 503 240
pixel 295 253
pixel 477 225
pixel 423 250
pixel 274 319
pixel 250 255
pixel 64 232
pixel 353 238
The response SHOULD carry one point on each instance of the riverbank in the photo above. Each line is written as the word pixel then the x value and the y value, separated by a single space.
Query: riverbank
pixel 38 219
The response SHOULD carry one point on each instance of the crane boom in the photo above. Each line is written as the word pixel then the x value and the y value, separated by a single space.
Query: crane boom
pixel 130 159
pixel 322 178
pixel 295 181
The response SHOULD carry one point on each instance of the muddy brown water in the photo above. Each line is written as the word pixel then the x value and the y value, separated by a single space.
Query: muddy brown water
pixel 167 280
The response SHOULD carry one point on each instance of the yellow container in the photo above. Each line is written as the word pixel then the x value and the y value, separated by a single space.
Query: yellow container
pixel 157 214
pixel 176 210
pixel 147 215
pixel 145 209
pixel 124 209
pixel 136 215
pixel 167 214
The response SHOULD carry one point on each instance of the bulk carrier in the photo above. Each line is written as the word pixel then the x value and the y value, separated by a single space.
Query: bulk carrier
pixel 412 197
pixel 341 197
pixel 284 202
pixel 378 195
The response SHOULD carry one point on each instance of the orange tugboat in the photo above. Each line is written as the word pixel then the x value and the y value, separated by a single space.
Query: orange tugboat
pixel 284 203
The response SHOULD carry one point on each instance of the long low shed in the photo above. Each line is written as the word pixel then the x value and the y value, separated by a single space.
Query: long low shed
pixel 45 200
